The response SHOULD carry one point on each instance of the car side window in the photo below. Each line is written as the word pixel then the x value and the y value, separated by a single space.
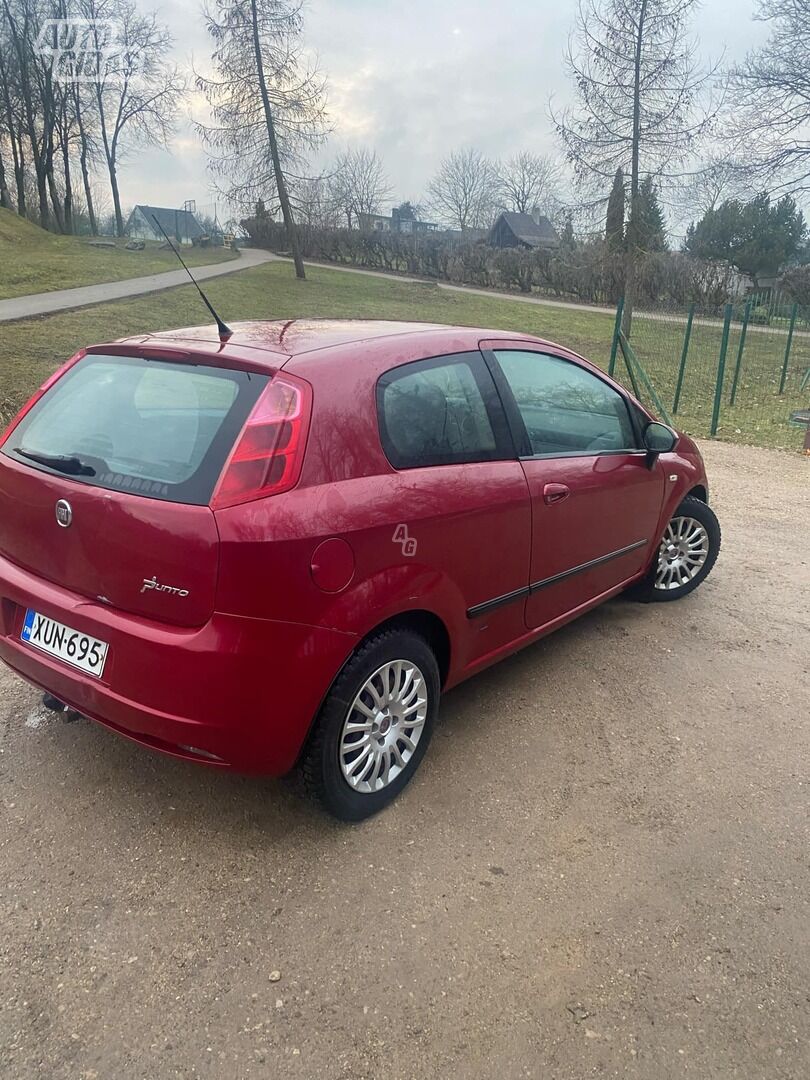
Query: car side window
pixel 564 407
pixel 439 412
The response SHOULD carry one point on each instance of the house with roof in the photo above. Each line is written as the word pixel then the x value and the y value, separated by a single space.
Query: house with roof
pixel 403 219
pixel 523 231
pixel 181 226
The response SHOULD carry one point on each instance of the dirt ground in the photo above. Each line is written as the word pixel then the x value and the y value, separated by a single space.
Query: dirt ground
pixel 601 869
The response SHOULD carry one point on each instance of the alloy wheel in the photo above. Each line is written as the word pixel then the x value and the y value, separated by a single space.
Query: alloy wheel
pixel 383 726
pixel 682 554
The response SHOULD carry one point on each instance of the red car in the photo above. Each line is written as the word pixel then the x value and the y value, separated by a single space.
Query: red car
pixel 281 548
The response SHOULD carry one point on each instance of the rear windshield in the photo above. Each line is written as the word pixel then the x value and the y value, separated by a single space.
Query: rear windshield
pixel 151 427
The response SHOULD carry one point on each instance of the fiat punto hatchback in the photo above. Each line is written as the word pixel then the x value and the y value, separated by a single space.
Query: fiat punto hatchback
pixel 280 548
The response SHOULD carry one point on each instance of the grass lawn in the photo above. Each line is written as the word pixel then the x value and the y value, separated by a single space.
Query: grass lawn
pixel 34 347
pixel 34 261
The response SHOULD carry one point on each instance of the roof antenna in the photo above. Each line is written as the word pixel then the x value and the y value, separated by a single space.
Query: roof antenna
pixel 223 329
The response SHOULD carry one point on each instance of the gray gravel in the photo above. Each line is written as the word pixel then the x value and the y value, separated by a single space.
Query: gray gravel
pixel 601 870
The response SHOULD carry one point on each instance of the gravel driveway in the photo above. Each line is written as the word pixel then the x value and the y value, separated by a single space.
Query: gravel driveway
pixel 601 870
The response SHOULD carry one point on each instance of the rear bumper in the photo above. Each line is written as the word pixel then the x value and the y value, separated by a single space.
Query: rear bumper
pixel 235 693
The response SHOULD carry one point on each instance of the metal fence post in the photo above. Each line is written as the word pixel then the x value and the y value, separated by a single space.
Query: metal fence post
pixel 794 312
pixel 721 370
pixel 636 368
pixel 738 365
pixel 685 352
pixel 626 350
pixel 617 329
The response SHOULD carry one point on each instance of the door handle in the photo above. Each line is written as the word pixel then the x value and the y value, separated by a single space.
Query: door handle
pixel 554 493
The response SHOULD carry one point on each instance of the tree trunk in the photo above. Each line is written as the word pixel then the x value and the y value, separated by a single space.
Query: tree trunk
pixel 632 253
pixel 116 195
pixel 68 201
pixel 88 193
pixel 283 197
pixel 42 194
pixel 19 173
pixel 5 194
pixel 56 202
pixel 15 139
pixel 84 155
pixel 47 150
pixel 110 156
pixel 119 217
pixel 64 139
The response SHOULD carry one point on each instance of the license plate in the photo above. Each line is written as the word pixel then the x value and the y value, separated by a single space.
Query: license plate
pixel 80 650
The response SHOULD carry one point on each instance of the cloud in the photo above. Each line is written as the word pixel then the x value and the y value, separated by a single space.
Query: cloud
pixel 417 80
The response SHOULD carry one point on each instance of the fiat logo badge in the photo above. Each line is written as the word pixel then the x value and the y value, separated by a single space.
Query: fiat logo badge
pixel 64 513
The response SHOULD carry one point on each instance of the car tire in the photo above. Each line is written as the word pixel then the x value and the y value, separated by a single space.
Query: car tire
pixel 381 709
pixel 686 554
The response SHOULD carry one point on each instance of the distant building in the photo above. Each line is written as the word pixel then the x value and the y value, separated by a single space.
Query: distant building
pixel 403 219
pixel 465 236
pixel 181 226
pixel 523 230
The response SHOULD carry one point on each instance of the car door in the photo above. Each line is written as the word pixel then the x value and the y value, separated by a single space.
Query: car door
pixel 595 494
pixel 462 491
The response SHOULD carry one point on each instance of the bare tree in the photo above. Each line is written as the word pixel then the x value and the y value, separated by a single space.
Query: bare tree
pixel 34 86
pixel 137 92
pixel 7 128
pixel 11 113
pixel 715 181
pixel 642 101
pixel 267 103
pixel 314 201
pixel 5 194
pixel 465 190
pixel 529 181
pixel 771 98
pixel 359 185
pixel 86 126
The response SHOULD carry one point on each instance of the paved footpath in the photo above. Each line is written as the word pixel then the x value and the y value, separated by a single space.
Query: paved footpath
pixel 24 307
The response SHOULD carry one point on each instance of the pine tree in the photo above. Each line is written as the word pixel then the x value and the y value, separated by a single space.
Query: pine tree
pixel 614 228
pixel 647 232
pixel 641 100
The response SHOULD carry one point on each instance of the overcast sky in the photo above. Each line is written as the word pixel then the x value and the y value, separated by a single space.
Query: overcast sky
pixel 418 79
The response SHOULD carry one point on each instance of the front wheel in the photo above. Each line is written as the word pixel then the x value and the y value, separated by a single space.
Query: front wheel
pixel 686 554
pixel 375 725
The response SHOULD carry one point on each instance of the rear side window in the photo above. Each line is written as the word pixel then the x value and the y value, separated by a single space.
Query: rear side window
pixel 440 412
pixel 152 427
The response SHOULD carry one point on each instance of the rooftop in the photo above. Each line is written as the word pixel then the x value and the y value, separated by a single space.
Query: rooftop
pixel 173 222
pixel 525 228
pixel 296 336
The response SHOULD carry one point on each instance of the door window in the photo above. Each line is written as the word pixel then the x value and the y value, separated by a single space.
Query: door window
pixel 565 408
pixel 439 412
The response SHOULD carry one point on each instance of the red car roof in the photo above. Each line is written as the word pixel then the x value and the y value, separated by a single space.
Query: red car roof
pixel 296 336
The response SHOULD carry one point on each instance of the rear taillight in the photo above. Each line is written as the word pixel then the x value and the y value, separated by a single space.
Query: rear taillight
pixel 41 393
pixel 269 453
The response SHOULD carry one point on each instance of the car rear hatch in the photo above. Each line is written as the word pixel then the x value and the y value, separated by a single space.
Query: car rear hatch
pixel 106 481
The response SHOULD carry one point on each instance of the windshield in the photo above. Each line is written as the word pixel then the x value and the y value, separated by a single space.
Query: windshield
pixel 151 427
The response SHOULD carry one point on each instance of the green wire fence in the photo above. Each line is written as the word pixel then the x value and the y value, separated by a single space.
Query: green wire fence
pixel 741 373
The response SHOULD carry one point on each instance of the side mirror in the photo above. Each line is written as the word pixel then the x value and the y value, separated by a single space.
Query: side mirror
pixel 659 439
